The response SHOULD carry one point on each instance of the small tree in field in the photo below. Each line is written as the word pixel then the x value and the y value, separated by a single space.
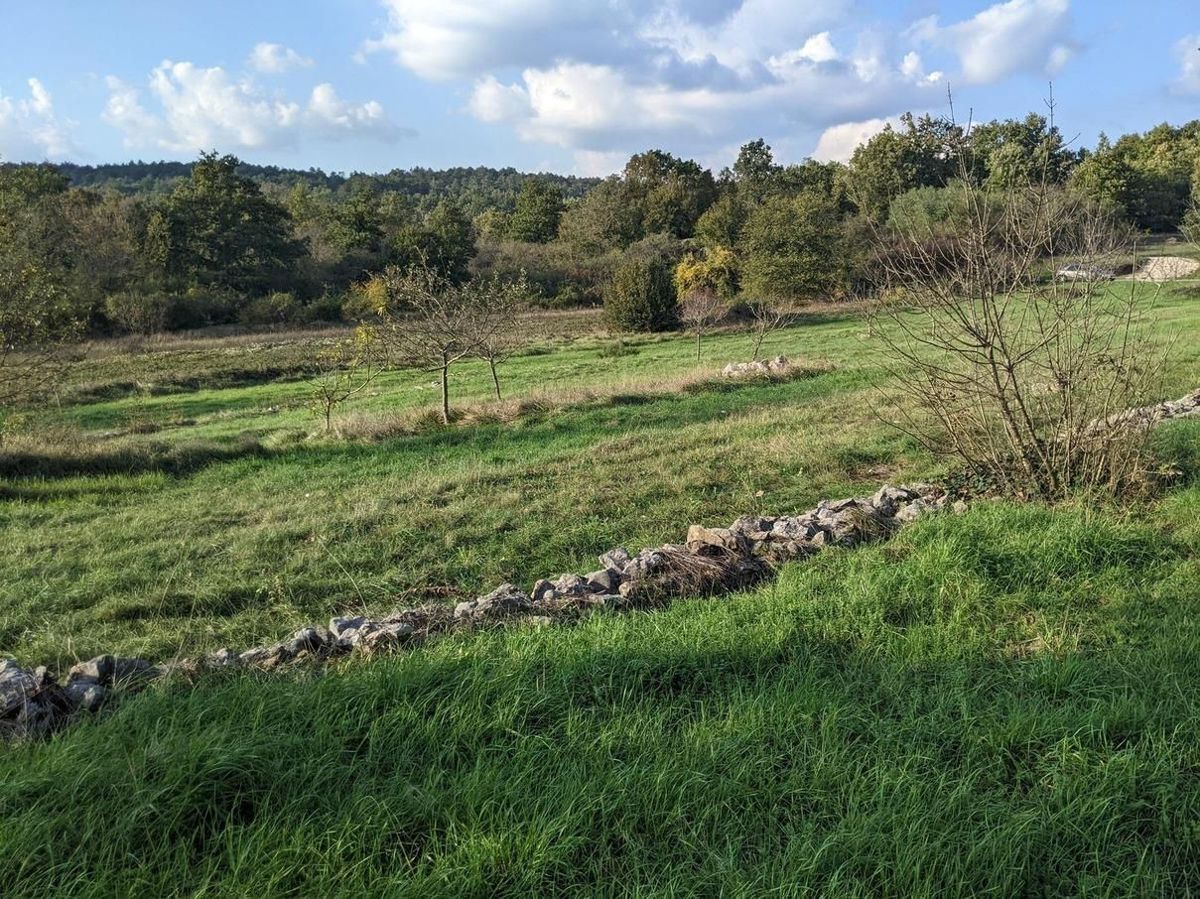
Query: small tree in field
pixel 497 329
pixel 765 319
pixel 1019 373
pixel 345 370
pixel 425 321
pixel 699 311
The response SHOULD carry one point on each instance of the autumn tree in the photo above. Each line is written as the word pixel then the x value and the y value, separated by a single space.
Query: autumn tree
pixel 699 310
pixel 345 369
pixel 425 320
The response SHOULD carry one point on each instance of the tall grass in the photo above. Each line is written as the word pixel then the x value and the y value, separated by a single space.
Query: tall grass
pixel 874 723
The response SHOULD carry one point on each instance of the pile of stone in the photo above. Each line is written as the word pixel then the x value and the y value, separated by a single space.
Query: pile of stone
pixel 709 561
pixel 1146 417
pixel 759 368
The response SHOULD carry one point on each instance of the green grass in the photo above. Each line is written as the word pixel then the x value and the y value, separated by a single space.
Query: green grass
pixel 1003 703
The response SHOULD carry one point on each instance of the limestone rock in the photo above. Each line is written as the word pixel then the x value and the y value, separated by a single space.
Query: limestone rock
pixel 17 686
pixel 615 559
pixel 503 602
pixel 606 580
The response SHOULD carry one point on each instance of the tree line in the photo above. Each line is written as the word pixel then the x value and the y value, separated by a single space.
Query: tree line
pixel 151 246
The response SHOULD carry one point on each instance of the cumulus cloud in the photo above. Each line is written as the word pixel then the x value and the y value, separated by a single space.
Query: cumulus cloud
pixel 1016 36
pixel 838 143
pixel 198 108
pixel 275 59
pixel 598 76
pixel 1188 55
pixel 30 129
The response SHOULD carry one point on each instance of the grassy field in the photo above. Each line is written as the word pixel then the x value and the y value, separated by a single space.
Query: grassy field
pixel 1001 703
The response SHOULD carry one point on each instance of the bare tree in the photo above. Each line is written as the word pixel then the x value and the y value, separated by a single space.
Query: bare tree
pixel 1009 337
pixel 498 334
pixel 765 319
pixel 1191 220
pixel 425 321
pixel 700 310
pixel 344 370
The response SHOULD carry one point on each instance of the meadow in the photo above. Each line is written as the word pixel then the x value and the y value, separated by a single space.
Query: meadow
pixel 998 703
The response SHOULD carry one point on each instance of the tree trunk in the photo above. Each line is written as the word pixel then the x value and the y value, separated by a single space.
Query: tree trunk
pixel 697 347
pixel 495 377
pixel 445 390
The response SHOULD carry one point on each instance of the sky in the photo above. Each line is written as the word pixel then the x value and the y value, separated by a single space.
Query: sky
pixel 571 86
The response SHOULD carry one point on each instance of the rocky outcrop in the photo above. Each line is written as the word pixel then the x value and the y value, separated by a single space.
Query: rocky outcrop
pixel 711 560
pixel 759 368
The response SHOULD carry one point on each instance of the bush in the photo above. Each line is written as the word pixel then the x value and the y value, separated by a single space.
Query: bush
pixel 641 296
pixel 137 313
pixel 273 309
pixel 200 307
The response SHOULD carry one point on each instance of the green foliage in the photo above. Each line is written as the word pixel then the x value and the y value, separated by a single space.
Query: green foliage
pixel 445 243
pixel 641 296
pixel 277 308
pixel 931 211
pixel 219 230
pixel 1146 177
pixel 792 247
pixel 898 160
pixel 137 312
pixel 539 208
pixel 722 223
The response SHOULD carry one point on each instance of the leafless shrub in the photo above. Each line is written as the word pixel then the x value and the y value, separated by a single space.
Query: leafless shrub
pixel 1010 358
pixel 424 321
pixel 345 369
pixel 765 319
pixel 498 330
pixel 700 309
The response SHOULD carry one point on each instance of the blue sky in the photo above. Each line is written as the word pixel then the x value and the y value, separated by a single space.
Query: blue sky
pixel 565 85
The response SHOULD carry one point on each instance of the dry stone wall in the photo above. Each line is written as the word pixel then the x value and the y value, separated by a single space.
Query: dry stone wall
pixel 710 560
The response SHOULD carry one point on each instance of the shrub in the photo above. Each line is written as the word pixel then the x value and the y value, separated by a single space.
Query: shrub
pixel 641 296
pixel 273 309
pixel 200 307
pixel 134 312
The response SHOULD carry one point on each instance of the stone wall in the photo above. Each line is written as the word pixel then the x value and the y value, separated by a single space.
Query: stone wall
pixel 710 560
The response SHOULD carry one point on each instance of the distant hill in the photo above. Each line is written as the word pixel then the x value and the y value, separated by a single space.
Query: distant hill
pixel 475 188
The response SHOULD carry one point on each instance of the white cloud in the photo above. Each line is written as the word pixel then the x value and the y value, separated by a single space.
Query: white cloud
pixel 1187 53
pixel 598 76
pixel 599 163
pixel 462 38
pixel 838 143
pixel 1019 35
pixel 200 108
pixel 275 59
pixel 30 129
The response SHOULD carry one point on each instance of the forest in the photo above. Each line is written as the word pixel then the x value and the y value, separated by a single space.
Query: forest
pixel 146 247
